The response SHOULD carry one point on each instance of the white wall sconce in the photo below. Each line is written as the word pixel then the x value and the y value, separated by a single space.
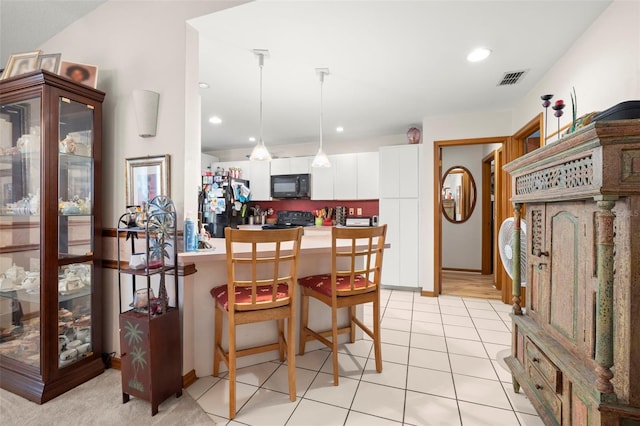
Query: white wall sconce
pixel 145 103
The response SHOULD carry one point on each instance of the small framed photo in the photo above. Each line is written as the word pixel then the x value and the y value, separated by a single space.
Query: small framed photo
pixel 21 63
pixel 145 178
pixel 80 73
pixel 49 62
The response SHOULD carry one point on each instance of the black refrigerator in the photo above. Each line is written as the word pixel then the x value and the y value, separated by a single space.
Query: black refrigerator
pixel 223 202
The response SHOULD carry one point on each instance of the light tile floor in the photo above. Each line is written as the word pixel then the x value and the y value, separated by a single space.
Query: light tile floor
pixel 442 366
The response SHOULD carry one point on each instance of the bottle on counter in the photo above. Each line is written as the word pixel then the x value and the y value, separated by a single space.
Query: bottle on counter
pixel 190 234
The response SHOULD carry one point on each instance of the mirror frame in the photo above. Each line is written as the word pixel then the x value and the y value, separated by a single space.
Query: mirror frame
pixel 475 194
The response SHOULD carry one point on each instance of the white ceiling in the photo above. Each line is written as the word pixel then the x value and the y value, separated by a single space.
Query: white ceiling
pixel 391 62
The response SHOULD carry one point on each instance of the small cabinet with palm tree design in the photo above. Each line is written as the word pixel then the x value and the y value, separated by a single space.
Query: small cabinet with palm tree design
pixel 150 346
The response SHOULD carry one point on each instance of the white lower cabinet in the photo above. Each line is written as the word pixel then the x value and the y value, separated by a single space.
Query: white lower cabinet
pixel 400 262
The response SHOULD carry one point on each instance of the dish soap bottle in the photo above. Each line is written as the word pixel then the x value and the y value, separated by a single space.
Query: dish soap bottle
pixel 190 234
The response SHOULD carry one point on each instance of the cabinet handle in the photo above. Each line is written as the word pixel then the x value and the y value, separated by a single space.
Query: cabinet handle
pixel 537 252
pixel 539 387
pixel 540 266
pixel 534 359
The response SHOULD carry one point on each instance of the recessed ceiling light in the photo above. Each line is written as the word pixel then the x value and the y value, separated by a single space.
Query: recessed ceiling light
pixel 479 54
pixel 203 85
pixel 339 129
pixel 215 120
pixel 252 139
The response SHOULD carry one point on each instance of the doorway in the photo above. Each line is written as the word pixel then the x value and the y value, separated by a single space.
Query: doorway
pixel 460 276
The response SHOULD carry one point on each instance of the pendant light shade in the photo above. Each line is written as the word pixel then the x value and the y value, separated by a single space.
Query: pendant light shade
pixel 260 151
pixel 321 159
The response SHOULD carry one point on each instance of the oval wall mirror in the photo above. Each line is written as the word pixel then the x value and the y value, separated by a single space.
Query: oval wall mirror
pixel 458 194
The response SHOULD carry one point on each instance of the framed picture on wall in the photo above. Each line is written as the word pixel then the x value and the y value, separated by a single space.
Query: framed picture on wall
pixel 145 178
pixel 80 73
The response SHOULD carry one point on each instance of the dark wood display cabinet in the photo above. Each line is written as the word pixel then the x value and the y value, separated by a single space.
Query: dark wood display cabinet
pixel 150 345
pixel 576 346
pixel 50 225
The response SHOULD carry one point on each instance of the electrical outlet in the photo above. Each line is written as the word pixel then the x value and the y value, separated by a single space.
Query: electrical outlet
pixel 359 211
pixel 351 212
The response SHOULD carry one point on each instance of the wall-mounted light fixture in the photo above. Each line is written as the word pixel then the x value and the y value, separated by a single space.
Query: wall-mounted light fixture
pixel 145 103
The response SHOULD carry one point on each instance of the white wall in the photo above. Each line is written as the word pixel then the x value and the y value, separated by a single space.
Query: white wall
pixel 133 51
pixel 603 65
pixel 462 242
pixel 466 126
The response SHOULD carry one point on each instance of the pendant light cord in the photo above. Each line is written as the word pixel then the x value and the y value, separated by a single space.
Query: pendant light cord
pixel 261 62
pixel 321 107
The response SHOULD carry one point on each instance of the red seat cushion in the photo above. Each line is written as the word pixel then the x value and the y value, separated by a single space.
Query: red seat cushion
pixel 243 294
pixel 322 283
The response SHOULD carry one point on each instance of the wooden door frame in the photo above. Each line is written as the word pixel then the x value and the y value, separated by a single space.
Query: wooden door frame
pixel 487 243
pixel 513 149
pixel 437 225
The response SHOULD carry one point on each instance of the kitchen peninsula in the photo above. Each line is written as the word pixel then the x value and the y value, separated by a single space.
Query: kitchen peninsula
pixel 198 309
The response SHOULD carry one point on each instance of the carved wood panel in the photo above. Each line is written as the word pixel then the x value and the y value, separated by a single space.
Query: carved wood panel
pixel 563 229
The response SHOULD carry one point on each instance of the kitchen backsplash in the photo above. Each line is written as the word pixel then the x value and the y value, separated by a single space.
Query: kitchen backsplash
pixel 369 207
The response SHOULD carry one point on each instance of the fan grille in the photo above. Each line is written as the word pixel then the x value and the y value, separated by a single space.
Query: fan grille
pixel 505 245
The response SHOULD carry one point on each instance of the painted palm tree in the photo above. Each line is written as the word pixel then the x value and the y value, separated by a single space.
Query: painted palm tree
pixel 133 334
pixel 161 225
pixel 138 362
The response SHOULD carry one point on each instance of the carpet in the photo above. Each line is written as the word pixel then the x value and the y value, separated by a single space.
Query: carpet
pixel 99 402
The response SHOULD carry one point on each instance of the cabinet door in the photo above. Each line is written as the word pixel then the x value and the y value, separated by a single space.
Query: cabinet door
pixel 299 165
pixel 408 242
pixel 389 174
pixel 407 170
pixel 280 166
pixel 537 266
pixel 21 217
pixel 390 214
pixel 322 183
pixel 345 176
pixel 368 175
pixel 260 181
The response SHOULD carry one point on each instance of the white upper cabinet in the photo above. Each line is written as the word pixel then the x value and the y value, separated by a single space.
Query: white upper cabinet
pixel 290 166
pixel 260 180
pixel 322 183
pixel 300 165
pixel 280 166
pixel 368 175
pixel 345 176
pixel 399 177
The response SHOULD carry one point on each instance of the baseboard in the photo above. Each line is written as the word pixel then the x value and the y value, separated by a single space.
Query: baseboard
pixel 187 380
pixel 116 363
pixel 475 271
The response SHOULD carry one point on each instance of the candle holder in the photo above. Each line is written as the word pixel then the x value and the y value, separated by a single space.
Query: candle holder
pixel 546 101
pixel 558 107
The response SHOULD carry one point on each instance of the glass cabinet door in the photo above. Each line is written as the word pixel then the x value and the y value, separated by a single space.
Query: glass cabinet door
pixel 20 201
pixel 75 230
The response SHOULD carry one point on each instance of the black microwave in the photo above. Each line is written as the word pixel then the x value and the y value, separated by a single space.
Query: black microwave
pixel 291 186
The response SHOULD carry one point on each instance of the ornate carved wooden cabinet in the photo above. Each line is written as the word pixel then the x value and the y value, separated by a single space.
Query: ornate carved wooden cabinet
pixel 576 345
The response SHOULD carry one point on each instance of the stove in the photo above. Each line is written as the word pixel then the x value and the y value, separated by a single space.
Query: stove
pixel 292 219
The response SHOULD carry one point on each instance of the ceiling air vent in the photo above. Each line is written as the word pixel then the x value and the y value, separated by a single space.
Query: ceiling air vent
pixel 512 77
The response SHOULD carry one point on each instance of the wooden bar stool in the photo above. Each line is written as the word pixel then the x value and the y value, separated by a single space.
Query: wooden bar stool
pixel 262 268
pixel 347 287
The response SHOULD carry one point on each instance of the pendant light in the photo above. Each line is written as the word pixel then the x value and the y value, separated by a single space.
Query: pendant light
pixel 321 159
pixel 260 151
